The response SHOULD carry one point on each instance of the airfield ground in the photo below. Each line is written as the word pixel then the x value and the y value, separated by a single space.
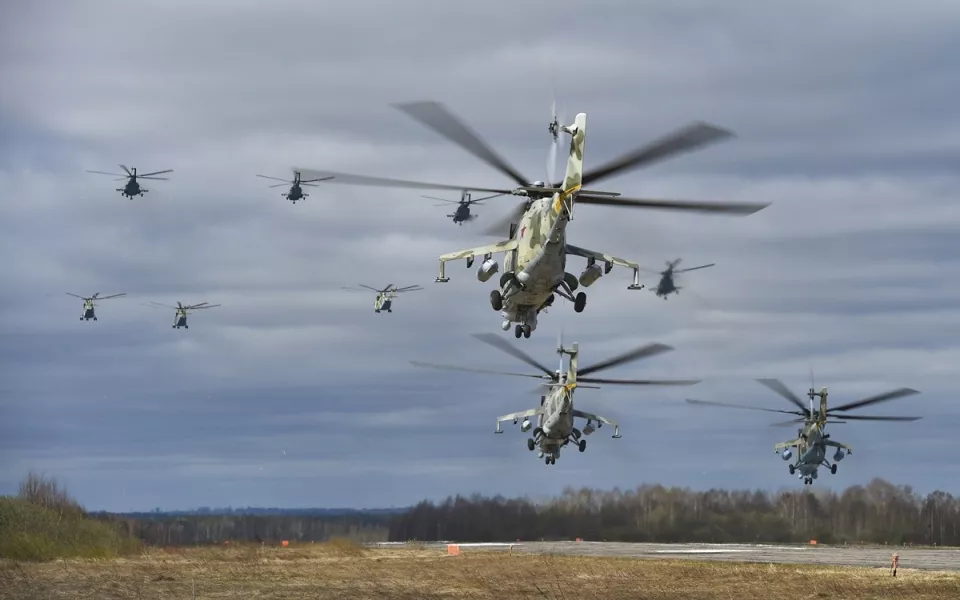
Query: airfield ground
pixel 346 571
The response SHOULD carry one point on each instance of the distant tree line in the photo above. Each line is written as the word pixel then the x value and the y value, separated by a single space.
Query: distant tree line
pixel 879 512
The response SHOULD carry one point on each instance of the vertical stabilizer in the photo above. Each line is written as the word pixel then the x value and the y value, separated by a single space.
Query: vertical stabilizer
pixel 578 133
pixel 823 402
pixel 572 374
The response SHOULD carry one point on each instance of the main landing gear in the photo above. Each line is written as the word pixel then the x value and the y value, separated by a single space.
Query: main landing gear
pixel 580 302
pixel 523 330
pixel 496 300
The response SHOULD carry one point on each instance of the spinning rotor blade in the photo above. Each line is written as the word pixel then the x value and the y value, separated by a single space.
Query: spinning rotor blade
pixel 155 173
pixel 793 422
pixel 502 225
pixel 891 395
pixel 438 118
pixel 308 181
pixel 477 200
pixel 153 178
pixel 370 288
pixel 278 185
pixel 736 208
pixel 441 199
pixel 504 346
pixel 274 178
pixel 629 356
pixel 638 381
pixel 201 306
pixel 744 406
pixel 164 305
pixel 875 418
pixel 348 179
pixel 76 296
pixel 695 268
pixel 113 296
pixel 471 370
pixel 126 170
pixel 111 174
pixel 410 288
pixel 778 387
pixel 683 140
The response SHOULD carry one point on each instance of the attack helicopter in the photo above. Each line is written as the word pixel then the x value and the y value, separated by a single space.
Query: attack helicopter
pixel 667 284
pixel 89 303
pixel 180 319
pixel 132 187
pixel 462 212
pixel 812 438
pixel 555 415
pixel 296 192
pixel 386 296
pixel 537 249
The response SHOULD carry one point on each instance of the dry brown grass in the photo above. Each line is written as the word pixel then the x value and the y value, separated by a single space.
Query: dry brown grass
pixel 343 570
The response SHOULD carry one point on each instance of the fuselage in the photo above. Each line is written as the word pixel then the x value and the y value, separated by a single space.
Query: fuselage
pixel 295 193
pixel 811 451
pixel 461 214
pixel 665 287
pixel 132 188
pixel 539 261
pixel 557 422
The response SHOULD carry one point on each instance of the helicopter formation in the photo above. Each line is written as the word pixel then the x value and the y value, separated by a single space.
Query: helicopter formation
pixel 535 248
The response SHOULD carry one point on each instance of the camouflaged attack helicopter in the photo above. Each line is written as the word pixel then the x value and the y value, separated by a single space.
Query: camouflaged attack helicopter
pixel 180 319
pixel 90 303
pixel 667 284
pixel 555 415
pixel 296 186
pixel 386 296
pixel 536 249
pixel 462 214
pixel 812 438
pixel 132 187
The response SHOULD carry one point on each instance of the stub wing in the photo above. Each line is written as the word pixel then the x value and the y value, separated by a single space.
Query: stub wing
pixel 504 246
pixel 785 445
pixel 838 445
pixel 599 419
pixel 608 261
pixel 524 414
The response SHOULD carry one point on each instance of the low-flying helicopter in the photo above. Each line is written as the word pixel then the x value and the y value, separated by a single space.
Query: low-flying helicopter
pixel 555 415
pixel 180 319
pixel 667 284
pixel 536 249
pixel 296 192
pixel 462 212
pixel 812 438
pixel 385 297
pixel 132 187
pixel 89 303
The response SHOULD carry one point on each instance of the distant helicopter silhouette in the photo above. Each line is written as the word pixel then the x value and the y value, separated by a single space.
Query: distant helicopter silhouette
pixel 132 188
pixel 296 192
pixel 667 285
pixel 462 212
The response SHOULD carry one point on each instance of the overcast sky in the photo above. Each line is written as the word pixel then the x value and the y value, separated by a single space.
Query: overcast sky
pixel 294 393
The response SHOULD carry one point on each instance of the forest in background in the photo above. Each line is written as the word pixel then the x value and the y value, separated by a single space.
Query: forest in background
pixel 878 513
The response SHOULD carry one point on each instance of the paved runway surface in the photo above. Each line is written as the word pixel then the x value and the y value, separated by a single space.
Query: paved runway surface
pixel 910 558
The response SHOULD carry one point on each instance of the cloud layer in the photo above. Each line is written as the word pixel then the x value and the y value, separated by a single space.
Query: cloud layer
pixel 295 393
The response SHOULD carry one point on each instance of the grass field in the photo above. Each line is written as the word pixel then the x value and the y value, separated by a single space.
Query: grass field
pixel 345 571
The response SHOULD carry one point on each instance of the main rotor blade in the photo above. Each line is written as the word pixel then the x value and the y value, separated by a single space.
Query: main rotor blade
pixel 113 296
pixel 348 179
pixel 126 170
pixel 629 356
pixel 638 381
pixel 877 418
pixel 688 138
pixel 410 288
pixel 504 346
pixel 275 178
pixel 201 306
pixel 745 407
pixel 778 387
pixel 164 305
pixel 470 370
pixel 370 288
pixel 155 173
pixel 736 208
pixel 502 225
pixel 153 178
pixel 438 118
pixel 793 421
pixel 441 199
pixel 111 174
pixel 695 268
pixel 884 397
pixel 308 181
pixel 279 185
pixel 475 200
pixel 76 296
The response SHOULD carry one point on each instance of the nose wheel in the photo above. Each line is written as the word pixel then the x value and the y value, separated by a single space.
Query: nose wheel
pixel 524 330
pixel 550 460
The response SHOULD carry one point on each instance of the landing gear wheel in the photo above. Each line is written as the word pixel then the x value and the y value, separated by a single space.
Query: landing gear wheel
pixel 527 331
pixel 792 469
pixel 376 311
pixel 390 310
pixel 94 318
pixel 582 445
pixel 496 300
pixel 580 302
pixel 518 331
pixel 186 327
pixel 530 444
pixel 833 469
